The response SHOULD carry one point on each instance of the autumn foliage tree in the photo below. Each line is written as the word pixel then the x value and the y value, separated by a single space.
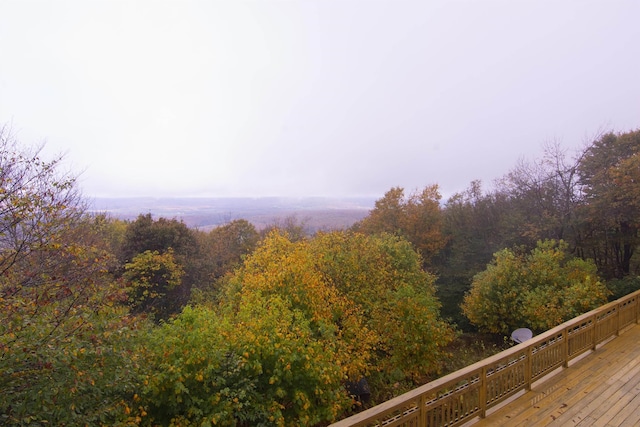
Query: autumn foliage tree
pixel 287 269
pixel 396 299
pixel 538 290
pixel 373 287
pixel 296 322
pixel 152 278
pixel 276 353
pixel 224 247
pixel 176 250
pixel 65 339
pixel 417 218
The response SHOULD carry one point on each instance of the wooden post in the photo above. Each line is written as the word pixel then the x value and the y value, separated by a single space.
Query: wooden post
pixel 617 319
pixel 422 413
pixel 593 332
pixel 565 348
pixel 483 392
pixel 528 369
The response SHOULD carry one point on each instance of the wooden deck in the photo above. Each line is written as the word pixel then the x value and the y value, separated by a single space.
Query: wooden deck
pixel 602 388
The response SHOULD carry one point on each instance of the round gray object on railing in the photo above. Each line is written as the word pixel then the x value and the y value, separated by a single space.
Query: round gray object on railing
pixel 521 335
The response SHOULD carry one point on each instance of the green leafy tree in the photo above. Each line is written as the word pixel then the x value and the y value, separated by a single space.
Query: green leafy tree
pixel 496 298
pixel 86 373
pixel 161 236
pixel 610 180
pixel 147 234
pixel 474 223
pixel 260 365
pixel 154 280
pixel 538 290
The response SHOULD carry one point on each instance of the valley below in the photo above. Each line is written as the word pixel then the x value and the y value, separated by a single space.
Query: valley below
pixel 314 213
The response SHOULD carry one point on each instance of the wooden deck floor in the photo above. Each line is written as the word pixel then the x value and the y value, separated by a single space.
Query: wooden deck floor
pixel 601 389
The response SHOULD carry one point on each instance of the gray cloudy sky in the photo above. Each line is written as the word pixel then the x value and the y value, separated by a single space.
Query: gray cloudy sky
pixel 316 97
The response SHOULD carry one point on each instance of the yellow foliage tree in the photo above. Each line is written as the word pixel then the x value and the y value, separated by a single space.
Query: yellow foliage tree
pixel 365 292
pixel 382 275
pixel 288 269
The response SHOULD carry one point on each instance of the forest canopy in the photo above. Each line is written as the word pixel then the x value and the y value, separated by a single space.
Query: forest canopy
pixel 150 322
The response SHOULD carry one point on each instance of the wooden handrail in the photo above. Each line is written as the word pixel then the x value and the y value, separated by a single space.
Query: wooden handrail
pixel 468 393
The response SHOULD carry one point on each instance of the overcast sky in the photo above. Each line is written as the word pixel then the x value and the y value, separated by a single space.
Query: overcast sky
pixel 318 97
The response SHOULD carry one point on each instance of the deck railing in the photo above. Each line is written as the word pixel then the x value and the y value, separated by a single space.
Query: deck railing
pixel 468 393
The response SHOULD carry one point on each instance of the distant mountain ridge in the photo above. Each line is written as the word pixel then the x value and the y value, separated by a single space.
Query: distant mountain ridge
pixel 317 213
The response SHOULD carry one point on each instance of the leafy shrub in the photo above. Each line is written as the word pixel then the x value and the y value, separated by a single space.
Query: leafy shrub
pixel 539 290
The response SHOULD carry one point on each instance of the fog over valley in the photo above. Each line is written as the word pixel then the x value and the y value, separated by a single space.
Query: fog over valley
pixel 316 213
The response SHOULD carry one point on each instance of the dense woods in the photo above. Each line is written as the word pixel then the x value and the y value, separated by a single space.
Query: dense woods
pixel 150 322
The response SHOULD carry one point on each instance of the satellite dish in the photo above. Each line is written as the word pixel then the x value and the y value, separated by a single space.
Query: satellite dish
pixel 521 335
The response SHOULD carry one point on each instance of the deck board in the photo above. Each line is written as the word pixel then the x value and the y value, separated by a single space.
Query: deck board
pixel 600 389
